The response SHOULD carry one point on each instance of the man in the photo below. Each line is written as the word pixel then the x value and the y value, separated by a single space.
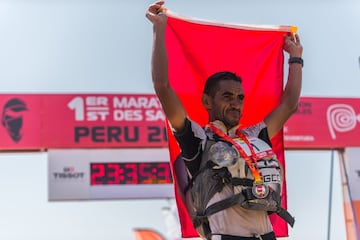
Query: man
pixel 224 143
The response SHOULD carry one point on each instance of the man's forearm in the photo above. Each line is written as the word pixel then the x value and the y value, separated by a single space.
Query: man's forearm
pixel 159 59
pixel 293 86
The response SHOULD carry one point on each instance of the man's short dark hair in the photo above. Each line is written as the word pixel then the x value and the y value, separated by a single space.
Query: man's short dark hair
pixel 212 82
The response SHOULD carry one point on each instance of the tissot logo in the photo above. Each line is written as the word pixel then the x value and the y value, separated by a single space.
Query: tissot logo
pixel 68 173
pixel 12 118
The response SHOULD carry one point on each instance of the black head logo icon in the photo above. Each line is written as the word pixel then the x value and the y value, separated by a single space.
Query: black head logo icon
pixel 12 118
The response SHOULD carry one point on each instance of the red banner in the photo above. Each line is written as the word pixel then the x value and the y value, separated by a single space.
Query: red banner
pixel 104 121
pixel 324 123
pixel 43 121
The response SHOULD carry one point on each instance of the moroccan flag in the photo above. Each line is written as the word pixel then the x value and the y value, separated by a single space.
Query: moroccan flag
pixel 197 49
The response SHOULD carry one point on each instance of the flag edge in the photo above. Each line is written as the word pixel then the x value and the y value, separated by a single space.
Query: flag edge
pixel 253 27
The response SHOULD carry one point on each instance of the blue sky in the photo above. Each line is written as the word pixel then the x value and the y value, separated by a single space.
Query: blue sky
pixel 104 46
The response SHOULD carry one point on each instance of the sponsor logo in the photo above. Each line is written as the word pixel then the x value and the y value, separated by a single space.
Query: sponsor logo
pixel 271 178
pixel 341 118
pixel 12 118
pixel 68 173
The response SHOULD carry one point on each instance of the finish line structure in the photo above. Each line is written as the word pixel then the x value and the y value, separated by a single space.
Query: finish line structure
pixel 114 146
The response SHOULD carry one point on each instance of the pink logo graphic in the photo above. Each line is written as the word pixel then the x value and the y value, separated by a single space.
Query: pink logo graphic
pixel 341 118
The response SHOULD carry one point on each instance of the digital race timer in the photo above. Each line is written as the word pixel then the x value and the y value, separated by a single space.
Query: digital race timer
pixel 89 174
pixel 130 173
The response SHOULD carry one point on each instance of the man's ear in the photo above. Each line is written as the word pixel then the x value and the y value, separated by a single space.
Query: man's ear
pixel 206 101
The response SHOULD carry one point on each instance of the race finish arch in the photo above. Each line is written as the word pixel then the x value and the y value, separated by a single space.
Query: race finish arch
pixel 114 146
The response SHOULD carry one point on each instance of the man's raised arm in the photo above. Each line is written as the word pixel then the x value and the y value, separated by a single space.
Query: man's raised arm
pixel 171 104
pixel 290 98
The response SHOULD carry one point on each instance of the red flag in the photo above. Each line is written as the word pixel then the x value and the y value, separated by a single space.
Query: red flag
pixel 196 49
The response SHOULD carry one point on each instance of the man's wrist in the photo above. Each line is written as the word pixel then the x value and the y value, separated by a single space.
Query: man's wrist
pixel 297 60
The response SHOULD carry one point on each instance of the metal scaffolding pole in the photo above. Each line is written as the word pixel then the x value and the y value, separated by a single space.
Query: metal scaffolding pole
pixel 330 194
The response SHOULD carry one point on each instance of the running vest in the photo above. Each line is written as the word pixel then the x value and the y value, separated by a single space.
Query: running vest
pixel 223 164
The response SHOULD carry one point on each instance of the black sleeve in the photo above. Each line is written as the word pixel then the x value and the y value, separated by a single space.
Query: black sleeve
pixel 263 135
pixel 190 146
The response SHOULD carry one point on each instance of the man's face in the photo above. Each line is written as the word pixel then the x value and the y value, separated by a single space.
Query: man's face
pixel 227 103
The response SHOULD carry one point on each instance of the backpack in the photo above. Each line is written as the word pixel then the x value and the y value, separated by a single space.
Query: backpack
pixel 213 176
